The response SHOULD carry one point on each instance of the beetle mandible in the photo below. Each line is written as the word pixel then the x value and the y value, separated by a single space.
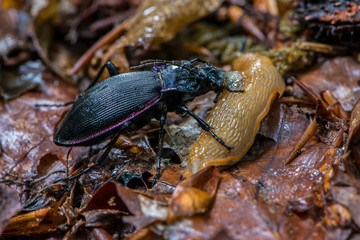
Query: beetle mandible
pixel 131 100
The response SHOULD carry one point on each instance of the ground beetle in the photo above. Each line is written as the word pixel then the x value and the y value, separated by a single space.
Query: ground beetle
pixel 131 100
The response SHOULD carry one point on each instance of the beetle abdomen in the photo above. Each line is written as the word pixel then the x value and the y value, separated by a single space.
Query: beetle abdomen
pixel 236 116
pixel 108 105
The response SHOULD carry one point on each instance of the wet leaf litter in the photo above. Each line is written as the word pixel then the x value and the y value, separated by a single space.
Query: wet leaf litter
pixel 260 196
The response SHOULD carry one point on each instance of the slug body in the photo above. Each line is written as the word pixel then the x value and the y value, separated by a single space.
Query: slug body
pixel 236 116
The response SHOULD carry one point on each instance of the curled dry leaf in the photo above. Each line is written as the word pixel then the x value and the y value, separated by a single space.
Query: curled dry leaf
pixel 194 195
pixel 28 223
pixel 41 221
pixel 153 208
pixel 112 195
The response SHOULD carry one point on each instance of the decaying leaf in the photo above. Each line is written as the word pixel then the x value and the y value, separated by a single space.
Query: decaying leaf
pixel 112 196
pixel 354 125
pixel 20 80
pixel 195 194
pixel 42 221
pixel 26 130
pixel 9 206
pixel 340 75
pixel 13 34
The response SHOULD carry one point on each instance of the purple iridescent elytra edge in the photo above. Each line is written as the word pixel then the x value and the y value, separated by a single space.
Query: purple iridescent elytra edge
pixel 147 106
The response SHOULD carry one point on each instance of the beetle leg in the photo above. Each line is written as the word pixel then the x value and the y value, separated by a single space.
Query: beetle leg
pixel 112 71
pixel 100 160
pixel 205 126
pixel 160 146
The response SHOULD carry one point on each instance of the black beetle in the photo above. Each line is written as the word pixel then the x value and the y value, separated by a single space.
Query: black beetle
pixel 131 100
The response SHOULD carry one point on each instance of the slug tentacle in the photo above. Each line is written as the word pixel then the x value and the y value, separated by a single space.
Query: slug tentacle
pixel 236 116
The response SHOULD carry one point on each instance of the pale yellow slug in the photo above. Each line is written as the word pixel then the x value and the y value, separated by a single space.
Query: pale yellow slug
pixel 236 116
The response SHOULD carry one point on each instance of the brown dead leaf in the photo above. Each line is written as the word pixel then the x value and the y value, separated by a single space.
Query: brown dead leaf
pixel 9 204
pixel 20 80
pixel 349 197
pixel 46 220
pixel 340 75
pixel 28 223
pixel 13 34
pixel 143 234
pixel 26 130
pixel 195 194
pixel 112 195
pixel 337 215
pixel 102 217
pixel 354 125
pixel 101 234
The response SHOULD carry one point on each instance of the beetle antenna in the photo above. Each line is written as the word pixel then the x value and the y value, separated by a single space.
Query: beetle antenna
pixel 153 62
pixel 142 65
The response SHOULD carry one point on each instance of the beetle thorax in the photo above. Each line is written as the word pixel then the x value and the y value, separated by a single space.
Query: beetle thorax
pixel 176 78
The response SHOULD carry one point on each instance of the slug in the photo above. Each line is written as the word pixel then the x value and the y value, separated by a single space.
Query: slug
pixel 236 116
